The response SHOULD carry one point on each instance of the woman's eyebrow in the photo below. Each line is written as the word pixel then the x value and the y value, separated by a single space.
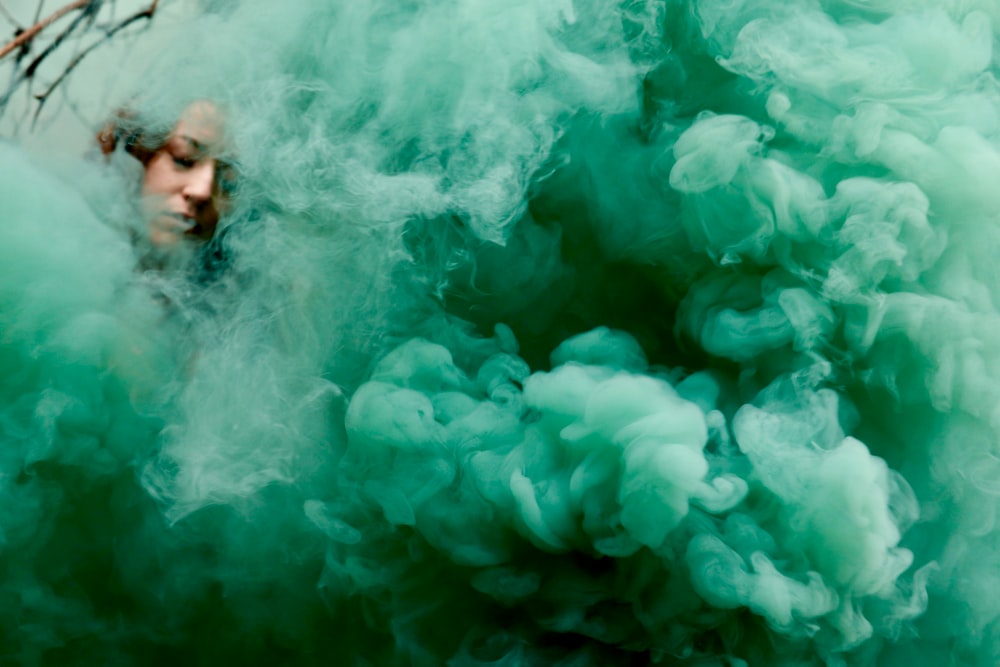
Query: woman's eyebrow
pixel 193 143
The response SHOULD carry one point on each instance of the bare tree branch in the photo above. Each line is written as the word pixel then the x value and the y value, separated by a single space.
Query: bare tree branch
pixel 29 33
pixel 73 22
pixel 29 71
pixel 87 12
pixel 87 15
pixel 108 34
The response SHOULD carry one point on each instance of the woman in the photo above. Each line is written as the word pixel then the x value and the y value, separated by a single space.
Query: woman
pixel 186 186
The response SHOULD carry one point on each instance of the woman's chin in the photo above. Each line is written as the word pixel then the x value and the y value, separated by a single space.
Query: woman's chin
pixel 163 239
pixel 167 246
pixel 166 230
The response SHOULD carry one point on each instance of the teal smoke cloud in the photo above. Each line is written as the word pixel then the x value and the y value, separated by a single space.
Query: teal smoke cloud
pixel 574 333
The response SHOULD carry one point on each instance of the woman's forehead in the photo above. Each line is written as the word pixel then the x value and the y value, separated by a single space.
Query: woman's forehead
pixel 201 124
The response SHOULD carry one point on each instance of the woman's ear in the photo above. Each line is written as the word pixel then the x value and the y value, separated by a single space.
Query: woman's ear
pixel 107 137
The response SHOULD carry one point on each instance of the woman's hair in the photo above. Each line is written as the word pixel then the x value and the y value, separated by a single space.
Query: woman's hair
pixel 125 127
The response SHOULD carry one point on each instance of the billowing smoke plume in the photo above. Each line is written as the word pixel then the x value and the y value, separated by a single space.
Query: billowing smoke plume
pixel 539 332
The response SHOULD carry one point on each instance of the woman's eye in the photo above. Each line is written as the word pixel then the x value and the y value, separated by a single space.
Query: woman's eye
pixel 184 162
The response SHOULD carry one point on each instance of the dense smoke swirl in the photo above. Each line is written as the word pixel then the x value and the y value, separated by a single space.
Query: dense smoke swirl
pixel 549 332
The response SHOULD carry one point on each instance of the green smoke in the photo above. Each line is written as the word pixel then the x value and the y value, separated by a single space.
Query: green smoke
pixel 574 333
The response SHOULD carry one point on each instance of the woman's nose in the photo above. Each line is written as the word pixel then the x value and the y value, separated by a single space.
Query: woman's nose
pixel 199 182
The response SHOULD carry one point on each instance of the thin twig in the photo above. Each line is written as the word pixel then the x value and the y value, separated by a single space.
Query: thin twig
pixel 86 15
pixel 29 33
pixel 111 32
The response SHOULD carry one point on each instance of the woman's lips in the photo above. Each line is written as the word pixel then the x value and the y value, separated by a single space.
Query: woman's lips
pixel 186 222
pixel 167 228
pixel 177 223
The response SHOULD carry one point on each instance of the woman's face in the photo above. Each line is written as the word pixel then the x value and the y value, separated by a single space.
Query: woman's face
pixel 181 190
